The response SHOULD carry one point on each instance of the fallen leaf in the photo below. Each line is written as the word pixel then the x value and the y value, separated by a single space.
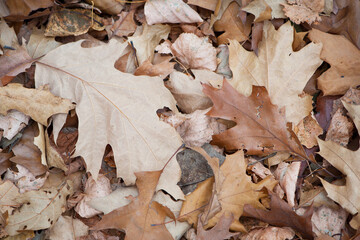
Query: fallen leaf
pixel 220 8
pixel 39 103
pixel 340 129
pixel 233 188
pixel 67 228
pixel 5 162
pixel 261 127
pixel 13 62
pixel 93 189
pixel 232 26
pixel 287 175
pixel 140 219
pixel 260 8
pixel 8 36
pixel 328 221
pixel 9 192
pixel 39 210
pixel 188 91
pixel 344 160
pixel 24 179
pixel 133 102
pixel 282 71
pixel 282 215
pixel 270 233
pixel 4 11
pixel 304 10
pixel 170 11
pixel 12 123
pixel 345 63
pixel 161 69
pixel 39 44
pixel 27 153
pixel 146 43
pixel 223 67
pixel 24 7
pixel 353 111
pixel 108 6
pixel 81 21
pixel 194 52
pixel 125 25
pixel 219 231
pixel 307 131
pixel 207 4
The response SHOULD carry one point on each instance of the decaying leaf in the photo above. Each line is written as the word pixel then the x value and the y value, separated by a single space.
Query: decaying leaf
pixel 105 96
pixel 8 192
pixel 146 43
pixel 307 131
pixel 231 24
pixel 304 10
pixel 282 215
pixel 40 209
pixel 8 36
pixel 233 189
pixel 270 233
pixel 345 63
pixel 219 231
pixel 194 52
pixel 139 219
pixel 67 228
pixel 81 21
pixel 282 71
pixel 161 69
pixel 39 103
pixel 261 127
pixel 12 123
pixel 93 189
pixel 169 11
pixel 340 129
pixel 265 9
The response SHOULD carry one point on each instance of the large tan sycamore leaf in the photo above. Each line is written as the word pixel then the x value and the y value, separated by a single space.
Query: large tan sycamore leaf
pixel 347 161
pixel 282 71
pixel 114 108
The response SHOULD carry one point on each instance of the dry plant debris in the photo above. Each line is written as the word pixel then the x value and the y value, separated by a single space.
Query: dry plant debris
pixel 173 119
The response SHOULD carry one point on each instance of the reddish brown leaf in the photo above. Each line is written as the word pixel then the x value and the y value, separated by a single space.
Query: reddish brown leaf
pixel 219 231
pixel 261 126
pixel 162 69
pixel 282 215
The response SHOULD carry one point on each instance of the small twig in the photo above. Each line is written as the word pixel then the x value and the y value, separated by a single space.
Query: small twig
pixel 264 158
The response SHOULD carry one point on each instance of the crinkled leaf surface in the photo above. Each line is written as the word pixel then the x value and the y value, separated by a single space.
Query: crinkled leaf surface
pixel 114 108
pixel 282 71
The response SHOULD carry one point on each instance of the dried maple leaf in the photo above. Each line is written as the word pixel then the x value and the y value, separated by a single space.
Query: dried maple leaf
pixel 39 104
pixel 114 108
pixel 231 24
pixel 346 161
pixel 261 127
pixel 304 10
pixel 282 215
pixel 170 11
pixel 40 209
pixel 233 189
pixel 345 63
pixel 142 217
pixel 282 71
pixel 219 231
pixel 194 52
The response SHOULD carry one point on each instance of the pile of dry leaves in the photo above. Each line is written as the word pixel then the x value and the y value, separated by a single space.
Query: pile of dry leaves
pixel 172 119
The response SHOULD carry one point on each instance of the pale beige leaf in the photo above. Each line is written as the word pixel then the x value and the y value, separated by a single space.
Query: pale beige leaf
pixel 170 11
pixel 54 159
pixel 260 8
pixel 270 233
pixel 39 210
pixel 194 52
pixel 278 158
pixel 125 25
pixel 344 61
pixel 24 179
pixel 304 10
pixel 39 44
pixel 282 71
pixel 220 8
pixel 328 221
pixel 8 192
pixel 207 4
pixel 7 36
pixel 93 189
pixel 287 174
pixel 307 130
pixel 12 123
pixel 67 228
pixel 188 91
pixel 39 141
pixel 4 10
pixel 39 103
pixel 354 112
pixel 114 108
pixel 146 42
pixel 161 69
